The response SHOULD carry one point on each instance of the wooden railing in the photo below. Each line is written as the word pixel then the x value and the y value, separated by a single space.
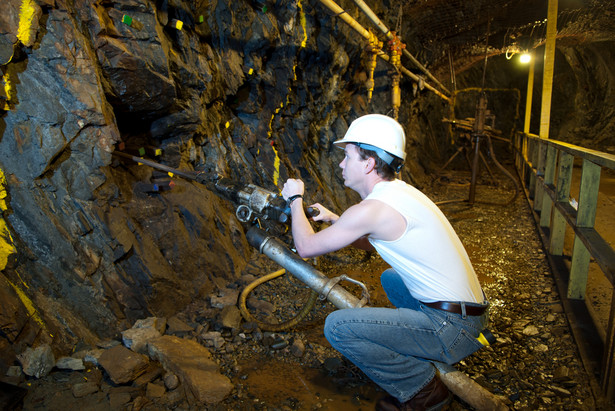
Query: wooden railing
pixel 546 170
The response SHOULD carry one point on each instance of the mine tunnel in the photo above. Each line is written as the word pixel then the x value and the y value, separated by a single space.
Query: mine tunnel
pixel 148 245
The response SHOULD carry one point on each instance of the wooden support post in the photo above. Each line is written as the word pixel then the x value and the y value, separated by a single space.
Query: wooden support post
pixel 586 216
pixel 528 97
pixel 525 165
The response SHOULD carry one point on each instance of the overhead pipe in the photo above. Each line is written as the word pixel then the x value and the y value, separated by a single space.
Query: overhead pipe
pixel 369 13
pixel 341 13
pixel 458 382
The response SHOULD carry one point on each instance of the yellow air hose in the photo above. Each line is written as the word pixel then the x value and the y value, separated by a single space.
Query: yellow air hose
pixel 274 327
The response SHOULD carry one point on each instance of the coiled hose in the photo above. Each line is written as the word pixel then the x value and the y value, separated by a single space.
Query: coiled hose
pixel 311 301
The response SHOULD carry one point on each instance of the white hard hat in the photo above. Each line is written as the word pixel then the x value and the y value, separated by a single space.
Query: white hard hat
pixel 378 133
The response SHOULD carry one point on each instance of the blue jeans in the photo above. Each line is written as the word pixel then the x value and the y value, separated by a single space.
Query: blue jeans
pixel 394 346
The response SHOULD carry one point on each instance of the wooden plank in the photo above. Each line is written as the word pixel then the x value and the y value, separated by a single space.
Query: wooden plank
pixel 586 216
pixel 547 202
pixel 558 225
pixel 577 284
pixel 600 249
pixel 540 172
pixel 533 160
pixel 588 194
pixel 602 159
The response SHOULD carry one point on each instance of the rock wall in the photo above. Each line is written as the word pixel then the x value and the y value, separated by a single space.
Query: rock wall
pixel 255 91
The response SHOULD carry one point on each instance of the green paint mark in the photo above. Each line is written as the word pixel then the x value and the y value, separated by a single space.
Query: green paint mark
pixel 127 20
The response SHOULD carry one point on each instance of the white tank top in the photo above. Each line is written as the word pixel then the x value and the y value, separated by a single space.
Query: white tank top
pixel 428 256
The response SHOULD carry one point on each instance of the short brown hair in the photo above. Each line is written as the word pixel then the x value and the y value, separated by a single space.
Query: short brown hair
pixel 382 168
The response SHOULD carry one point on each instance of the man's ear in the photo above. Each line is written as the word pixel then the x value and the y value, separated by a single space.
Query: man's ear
pixel 370 165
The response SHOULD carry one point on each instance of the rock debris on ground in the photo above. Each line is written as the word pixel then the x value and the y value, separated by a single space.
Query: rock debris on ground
pixel 534 365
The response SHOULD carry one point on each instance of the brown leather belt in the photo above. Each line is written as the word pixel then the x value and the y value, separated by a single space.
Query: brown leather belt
pixel 473 310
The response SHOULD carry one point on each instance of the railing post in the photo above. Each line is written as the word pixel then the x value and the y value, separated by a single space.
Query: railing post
pixel 540 172
pixel 532 161
pixel 586 216
pixel 558 225
pixel 525 165
pixel 547 203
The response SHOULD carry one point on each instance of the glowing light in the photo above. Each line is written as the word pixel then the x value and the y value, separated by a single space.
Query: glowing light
pixel 525 58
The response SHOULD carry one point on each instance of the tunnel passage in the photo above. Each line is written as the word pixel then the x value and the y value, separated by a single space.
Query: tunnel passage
pixel 256 92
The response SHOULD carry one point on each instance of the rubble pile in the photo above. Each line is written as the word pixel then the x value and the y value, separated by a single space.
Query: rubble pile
pixel 208 357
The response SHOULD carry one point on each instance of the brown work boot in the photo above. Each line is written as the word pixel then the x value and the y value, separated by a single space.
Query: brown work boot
pixel 433 397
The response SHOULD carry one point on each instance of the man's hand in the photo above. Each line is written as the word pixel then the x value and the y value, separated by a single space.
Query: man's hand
pixel 292 187
pixel 324 214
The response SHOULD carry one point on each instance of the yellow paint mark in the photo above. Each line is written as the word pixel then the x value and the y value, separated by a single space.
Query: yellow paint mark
pixel 250 71
pixel 276 166
pixel 22 281
pixel 8 91
pixel 276 162
pixel 227 125
pixel 7 248
pixel 27 12
pixel 270 131
pixel 25 300
pixel 303 23
pixel 3 192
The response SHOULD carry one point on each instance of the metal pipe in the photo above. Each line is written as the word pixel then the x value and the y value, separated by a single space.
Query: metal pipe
pixel 384 29
pixel 189 175
pixel 459 383
pixel 341 13
pixel 317 281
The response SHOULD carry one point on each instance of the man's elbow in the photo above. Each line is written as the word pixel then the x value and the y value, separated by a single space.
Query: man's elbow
pixel 304 253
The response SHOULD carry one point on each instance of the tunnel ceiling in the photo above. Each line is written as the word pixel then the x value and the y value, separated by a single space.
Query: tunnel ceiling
pixel 432 29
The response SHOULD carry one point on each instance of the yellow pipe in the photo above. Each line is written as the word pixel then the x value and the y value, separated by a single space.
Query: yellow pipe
pixel 375 47
pixel 369 13
pixel 547 74
pixel 530 91
pixel 341 13
pixel 396 96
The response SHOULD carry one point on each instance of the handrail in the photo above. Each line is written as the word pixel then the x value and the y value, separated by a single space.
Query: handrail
pixel 546 167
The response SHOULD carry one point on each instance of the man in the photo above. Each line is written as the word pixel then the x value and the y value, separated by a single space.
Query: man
pixel 440 307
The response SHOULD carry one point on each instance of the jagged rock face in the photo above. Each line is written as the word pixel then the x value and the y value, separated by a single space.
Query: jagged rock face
pixel 256 91
pixel 233 92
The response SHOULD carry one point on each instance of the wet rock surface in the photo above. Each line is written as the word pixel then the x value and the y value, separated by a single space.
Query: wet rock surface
pixel 534 365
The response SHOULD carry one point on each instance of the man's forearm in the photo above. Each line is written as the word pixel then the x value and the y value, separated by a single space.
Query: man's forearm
pixel 301 227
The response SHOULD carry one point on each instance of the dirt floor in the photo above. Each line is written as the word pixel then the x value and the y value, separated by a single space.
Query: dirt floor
pixel 534 365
